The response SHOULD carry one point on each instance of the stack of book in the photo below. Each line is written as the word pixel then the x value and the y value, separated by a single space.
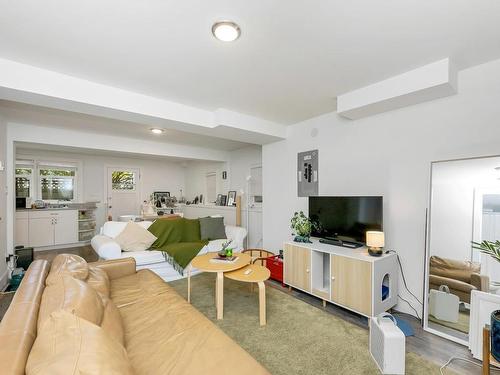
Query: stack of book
pixel 219 259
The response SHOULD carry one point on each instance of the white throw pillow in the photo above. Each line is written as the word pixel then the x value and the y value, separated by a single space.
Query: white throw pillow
pixel 135 238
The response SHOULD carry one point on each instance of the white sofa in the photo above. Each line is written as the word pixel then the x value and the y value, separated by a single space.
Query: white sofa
pixel 107 248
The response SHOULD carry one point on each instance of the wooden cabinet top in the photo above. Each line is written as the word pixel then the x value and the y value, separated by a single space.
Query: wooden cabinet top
pixel 361 253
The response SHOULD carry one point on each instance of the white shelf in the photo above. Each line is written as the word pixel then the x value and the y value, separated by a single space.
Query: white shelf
pixel 83 220
pixel 86 230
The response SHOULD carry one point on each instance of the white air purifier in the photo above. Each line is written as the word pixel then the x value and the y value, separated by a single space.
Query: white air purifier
pixel 387 344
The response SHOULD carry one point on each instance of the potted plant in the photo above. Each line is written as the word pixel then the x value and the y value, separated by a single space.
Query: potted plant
pixel 490 248
pixel 301 227
pixel 493 250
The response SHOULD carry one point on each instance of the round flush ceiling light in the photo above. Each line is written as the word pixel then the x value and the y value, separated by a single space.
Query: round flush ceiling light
pixel 157 130
pixel 226 31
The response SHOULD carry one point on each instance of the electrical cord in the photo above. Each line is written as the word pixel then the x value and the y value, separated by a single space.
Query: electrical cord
pixel 411 307
pixel 465 360
pixel 406 285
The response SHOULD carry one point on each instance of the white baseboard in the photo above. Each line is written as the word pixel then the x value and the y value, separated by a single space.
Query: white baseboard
pixel 4 280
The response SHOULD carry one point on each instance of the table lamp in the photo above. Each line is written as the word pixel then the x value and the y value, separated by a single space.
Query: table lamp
pixel 375 242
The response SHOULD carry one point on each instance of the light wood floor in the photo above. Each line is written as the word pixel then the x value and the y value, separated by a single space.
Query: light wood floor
pixel 429 346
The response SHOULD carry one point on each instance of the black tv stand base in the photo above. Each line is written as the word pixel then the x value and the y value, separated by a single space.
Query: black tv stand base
pixel 336 242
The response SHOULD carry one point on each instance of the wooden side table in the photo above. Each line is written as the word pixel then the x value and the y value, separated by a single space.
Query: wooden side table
pixel 258 275
pixel 203 263
pixel 488 359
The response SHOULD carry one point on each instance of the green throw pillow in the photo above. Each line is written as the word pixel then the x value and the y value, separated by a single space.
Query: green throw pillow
pixel 212 228
pixel 191 231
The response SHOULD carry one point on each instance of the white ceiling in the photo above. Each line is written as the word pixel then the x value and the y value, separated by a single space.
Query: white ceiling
pixel 53 118
pixel 292 60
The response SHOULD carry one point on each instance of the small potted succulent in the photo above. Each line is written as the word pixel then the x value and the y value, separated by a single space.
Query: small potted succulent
pixel 226 251
pixel 301 227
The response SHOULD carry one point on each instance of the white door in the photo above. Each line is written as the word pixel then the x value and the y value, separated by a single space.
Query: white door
pixel 66 227
pixel 123 192
pixel 41 231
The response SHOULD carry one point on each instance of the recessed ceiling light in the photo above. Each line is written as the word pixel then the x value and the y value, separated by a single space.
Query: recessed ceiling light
pixel 226 31
pixel 157 131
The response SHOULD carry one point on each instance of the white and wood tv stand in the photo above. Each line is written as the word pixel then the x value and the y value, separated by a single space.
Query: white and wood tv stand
pixel 347 277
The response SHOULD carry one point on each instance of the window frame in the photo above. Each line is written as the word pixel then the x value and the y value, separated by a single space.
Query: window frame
pixel 56 166
pixel 25 164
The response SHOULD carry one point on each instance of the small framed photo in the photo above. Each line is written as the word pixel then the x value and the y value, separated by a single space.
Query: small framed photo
pixel 218 202
pixel 223 200
pixel 231 198
pixel 161 198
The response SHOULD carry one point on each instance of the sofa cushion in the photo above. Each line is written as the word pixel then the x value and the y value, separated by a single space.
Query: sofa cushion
pixel 135 238
pixel 112 322
pixel 72 295
pixel 98 279
pixel 132 288
pixel 212 228
pixel 184 340
pixel 112 229
pixel 453 269
pixel 67 344
pixel 67 264
pixel 191 231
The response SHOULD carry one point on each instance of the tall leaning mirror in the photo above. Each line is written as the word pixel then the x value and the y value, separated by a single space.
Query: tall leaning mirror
pixel 464 208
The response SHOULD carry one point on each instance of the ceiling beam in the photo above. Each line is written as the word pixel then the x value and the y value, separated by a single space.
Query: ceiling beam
pixel 32 85
pixel 428 82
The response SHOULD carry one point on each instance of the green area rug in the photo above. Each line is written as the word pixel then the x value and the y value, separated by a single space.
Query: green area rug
pixel 298 339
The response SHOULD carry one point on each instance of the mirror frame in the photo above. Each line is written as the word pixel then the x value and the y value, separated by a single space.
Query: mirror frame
pixel 425 320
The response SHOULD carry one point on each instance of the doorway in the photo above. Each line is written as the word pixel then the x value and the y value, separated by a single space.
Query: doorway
pixel 123 192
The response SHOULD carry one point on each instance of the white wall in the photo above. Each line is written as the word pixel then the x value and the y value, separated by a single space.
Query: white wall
pixel 240 162
pixel 156 174
pixel 196 173
pixel 238 168
pixel 3 204
pixel 388 154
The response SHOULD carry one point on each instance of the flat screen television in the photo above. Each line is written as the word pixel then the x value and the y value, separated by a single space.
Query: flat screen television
pixel 345 219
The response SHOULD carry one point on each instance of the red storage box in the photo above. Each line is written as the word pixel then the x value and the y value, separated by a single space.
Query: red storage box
pixel 275 265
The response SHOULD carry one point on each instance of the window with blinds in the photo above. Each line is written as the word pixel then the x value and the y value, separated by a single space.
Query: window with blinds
pixel 57 182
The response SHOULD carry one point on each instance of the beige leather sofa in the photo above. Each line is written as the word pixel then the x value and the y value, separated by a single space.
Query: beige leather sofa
pixel 106 318
pixel 461 277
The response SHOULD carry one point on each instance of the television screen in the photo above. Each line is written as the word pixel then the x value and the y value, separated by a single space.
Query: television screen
pixel 345 218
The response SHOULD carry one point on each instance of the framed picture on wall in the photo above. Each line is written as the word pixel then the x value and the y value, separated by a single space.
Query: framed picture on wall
pixel 231 198
pixel 161 198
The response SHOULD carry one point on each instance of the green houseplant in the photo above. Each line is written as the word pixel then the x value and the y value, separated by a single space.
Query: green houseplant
pixel 301 227
pixel 490 248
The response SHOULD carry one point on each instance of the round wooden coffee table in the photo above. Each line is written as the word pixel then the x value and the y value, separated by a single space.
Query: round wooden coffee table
pixel 254 273
pixel 203 263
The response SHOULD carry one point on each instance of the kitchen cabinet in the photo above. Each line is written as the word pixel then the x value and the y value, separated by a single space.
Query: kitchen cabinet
pixel 46 227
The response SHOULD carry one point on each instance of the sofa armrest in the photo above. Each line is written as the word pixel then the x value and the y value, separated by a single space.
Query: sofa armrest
pixel 106 247
pixel 481 282
pixel 237 235
pixel 117 268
